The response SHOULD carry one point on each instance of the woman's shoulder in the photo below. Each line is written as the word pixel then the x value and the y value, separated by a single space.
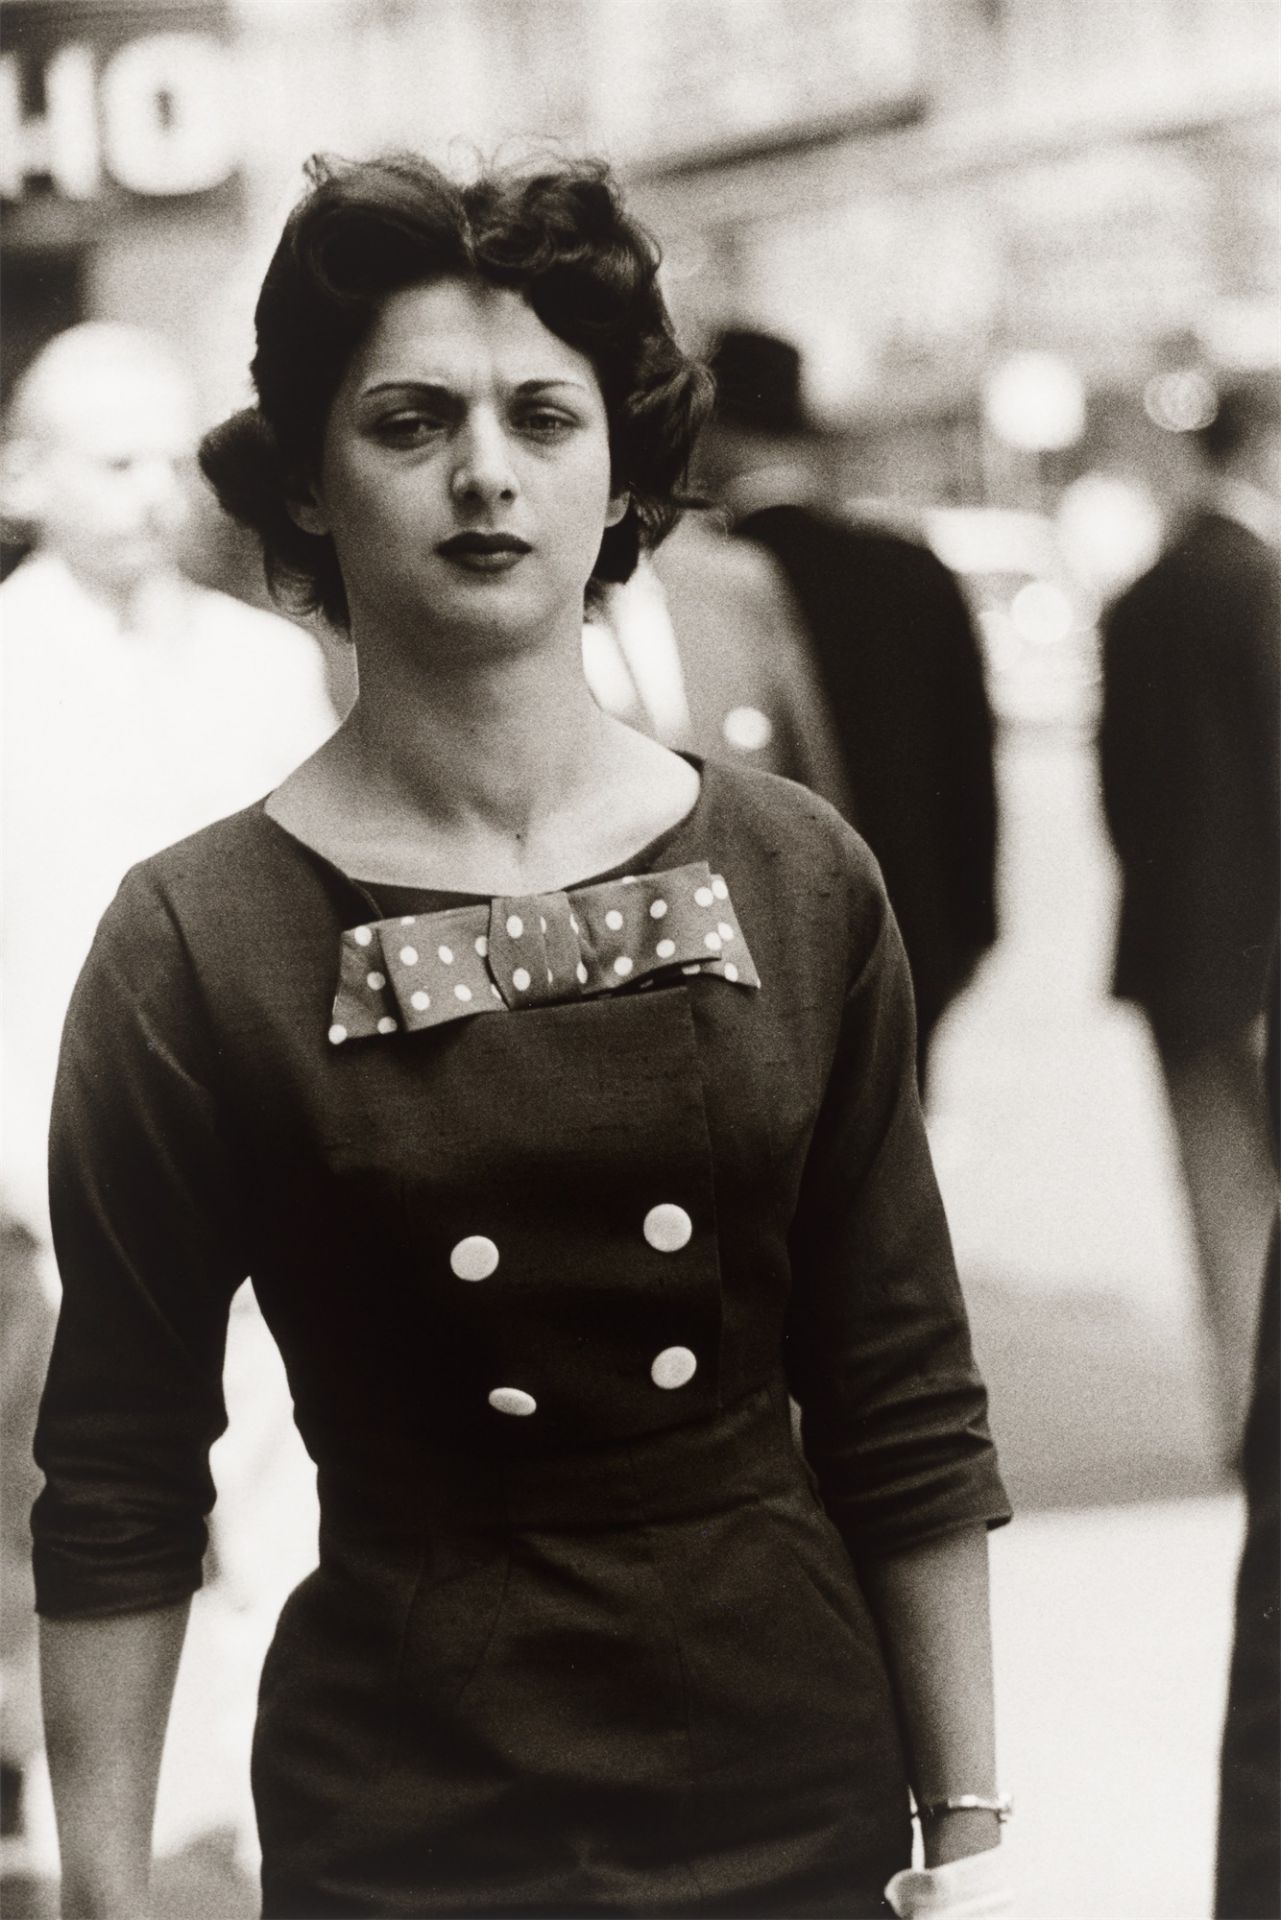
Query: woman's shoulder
pixel 780 822
pixel 241 872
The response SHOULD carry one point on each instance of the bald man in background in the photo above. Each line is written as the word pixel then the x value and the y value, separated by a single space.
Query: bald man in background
pixel 138 707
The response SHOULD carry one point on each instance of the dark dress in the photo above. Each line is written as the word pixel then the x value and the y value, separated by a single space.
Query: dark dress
pixel 610 1657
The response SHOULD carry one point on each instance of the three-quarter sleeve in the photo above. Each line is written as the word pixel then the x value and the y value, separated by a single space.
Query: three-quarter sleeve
pixel 893 1412
pixel 147 1231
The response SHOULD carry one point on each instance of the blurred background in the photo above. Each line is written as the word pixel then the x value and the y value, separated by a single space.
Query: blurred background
pixel 1020 244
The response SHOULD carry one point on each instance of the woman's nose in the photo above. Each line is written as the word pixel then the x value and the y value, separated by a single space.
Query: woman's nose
pixel 483 470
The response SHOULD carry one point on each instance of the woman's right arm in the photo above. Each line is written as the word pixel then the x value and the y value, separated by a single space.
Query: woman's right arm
pixel 107 1685
pixel 146 1202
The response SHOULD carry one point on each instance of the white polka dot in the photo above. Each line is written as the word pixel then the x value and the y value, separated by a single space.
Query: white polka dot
pixel 673 1367
pixel 362 936
pixel 375 982
pixel 694 969
pixel 623 965
pixel 337 1035
pixel 704 896
pixel 748 729
pixel 420 1000
pixel 731 971
pixel 628 880
pixel 520 979
pixel 513 1400
pixel 386 1024
pixel 409 956
pixel 581 971
pixel 474 1258
pixel 667 1228
pixel 712 940
pixel 725 930
pixel 461 992
pixel 658 910
pixel 719 888
pixel 542 924
pixel 494 990
pixel 515 926
pixel 482 945
pixel 574 924
pixel 447 955
pixel 551 978
pixel 665 949
pixel 614 920
pixel 406 919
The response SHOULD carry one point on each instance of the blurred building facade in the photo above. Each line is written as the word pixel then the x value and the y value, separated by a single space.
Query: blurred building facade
pixel 915 190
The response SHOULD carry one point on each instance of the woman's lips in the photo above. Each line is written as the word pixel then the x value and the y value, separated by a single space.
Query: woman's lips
pixel 484 552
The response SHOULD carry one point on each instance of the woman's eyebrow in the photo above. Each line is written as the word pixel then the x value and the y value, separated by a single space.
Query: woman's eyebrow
pixel 436 390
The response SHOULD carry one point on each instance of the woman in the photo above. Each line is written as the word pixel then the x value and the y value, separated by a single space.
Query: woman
pixel 586 1636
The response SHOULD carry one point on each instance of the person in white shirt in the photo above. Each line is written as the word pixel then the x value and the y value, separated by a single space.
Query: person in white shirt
pixel 137 708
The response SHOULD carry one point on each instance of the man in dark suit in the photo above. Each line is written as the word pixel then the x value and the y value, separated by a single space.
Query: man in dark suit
pixel 1189 746
pixel 898 659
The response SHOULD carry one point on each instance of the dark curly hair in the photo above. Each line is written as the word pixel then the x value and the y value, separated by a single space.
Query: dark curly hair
pixel 559 237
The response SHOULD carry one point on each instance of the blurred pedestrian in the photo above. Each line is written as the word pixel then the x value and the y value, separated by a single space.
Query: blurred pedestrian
pixel 705 649
pixel 549 1207
pixel 898 660
pixel 137 708
pixel 1189 747
pixel 1248 1885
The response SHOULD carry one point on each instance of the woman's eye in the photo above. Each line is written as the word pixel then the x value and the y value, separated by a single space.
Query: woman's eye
pixel 409 429
pixel 545 425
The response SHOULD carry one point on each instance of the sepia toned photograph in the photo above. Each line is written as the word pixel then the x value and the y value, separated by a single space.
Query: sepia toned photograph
pixel 640 671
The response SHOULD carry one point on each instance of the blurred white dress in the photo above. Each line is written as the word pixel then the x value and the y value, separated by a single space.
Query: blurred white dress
pixel 116 742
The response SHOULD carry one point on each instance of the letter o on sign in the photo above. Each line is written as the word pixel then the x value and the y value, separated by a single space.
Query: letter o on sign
pixel 169 118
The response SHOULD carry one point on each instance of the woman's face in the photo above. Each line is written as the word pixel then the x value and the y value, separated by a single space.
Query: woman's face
pixel 465 471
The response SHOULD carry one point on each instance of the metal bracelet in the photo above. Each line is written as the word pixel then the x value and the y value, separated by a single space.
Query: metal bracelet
pixel 1002 1806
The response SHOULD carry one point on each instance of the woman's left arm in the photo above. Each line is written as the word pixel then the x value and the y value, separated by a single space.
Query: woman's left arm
pixel 893 1411
pixel 931 1605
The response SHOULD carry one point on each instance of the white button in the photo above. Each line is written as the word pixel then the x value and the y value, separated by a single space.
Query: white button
pixel 673 1367
pixel 748 729
pixel 474 1258
pixel 512 1400
pixel 668 1228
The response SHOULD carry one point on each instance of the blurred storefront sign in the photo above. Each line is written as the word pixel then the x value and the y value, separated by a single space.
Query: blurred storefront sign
pixel 783 75
pixel 100 104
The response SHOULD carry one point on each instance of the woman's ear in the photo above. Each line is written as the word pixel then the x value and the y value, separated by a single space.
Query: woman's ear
pixel 305 508
pixel 617 508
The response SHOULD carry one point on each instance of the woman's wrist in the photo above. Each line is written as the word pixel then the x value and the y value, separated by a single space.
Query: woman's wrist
pixel 955 1833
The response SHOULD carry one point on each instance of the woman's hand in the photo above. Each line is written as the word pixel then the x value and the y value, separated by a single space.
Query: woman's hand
pixel 973 1888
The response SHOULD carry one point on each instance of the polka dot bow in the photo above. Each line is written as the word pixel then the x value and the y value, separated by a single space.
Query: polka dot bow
pixel 537 950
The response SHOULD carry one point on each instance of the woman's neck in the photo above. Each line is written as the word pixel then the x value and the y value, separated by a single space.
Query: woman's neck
pixel 481 746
